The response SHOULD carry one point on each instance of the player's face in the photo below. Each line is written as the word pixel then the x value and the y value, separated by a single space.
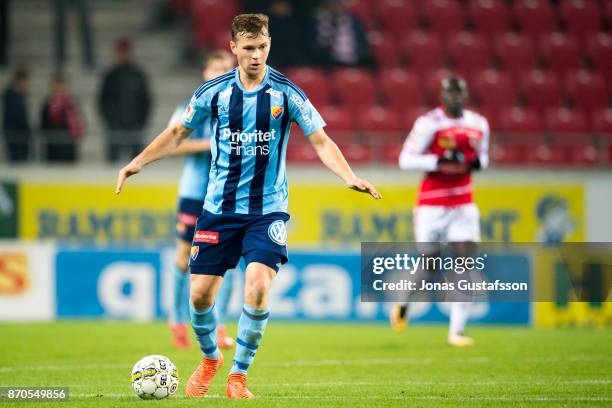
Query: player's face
pixel 217 67
pixel 251 52
pixel 454 98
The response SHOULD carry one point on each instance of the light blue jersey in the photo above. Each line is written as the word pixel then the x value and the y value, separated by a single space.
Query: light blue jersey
pixel 194 178
pixel 251 132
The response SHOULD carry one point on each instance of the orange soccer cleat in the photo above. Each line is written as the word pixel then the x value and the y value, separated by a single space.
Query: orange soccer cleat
pixel 198 383
pixel 237 387
pixel 223 340
pixel 179 336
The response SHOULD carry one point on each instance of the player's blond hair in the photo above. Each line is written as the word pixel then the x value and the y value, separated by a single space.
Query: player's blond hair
pixel 250 25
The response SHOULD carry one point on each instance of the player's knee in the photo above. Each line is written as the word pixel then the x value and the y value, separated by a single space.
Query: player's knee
pixel 201 297
pixel 256 292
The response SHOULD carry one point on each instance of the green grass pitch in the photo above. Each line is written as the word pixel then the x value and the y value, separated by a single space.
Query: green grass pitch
pixel 314 365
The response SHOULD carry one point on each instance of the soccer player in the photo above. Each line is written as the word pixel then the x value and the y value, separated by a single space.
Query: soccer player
pixel 192 188
pixel 448 143
pixel 250 110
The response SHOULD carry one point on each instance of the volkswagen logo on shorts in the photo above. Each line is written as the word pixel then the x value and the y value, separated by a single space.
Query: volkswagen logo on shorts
pixel 277 231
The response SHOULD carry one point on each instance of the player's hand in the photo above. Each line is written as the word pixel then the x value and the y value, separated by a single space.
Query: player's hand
pixel 453 168
pixel 130 169
pixel 363 186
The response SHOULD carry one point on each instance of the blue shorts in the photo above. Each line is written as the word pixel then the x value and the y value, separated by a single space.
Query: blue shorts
pixel 221 239
pixel 186 218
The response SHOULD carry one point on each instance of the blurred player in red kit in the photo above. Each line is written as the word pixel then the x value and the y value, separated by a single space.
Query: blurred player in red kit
pixel 448 144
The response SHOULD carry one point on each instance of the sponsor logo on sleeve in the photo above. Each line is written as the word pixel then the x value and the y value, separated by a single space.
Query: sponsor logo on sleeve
pixel 277 231
pixel 189 112
pixel 208 237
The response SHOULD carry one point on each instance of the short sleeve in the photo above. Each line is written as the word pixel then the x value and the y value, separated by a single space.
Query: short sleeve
pixel 304 114
pixel 196 112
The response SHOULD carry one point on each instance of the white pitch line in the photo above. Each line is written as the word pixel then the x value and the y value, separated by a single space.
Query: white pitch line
pixel 319 363
pixel 62 367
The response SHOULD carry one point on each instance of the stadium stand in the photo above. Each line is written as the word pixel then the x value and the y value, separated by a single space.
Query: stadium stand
pixel 534 67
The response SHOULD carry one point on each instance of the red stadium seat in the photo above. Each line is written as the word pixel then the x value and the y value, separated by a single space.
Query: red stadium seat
pixel 299 151
pixel 401 88
pixel 314 83
pixel 209 17
pixel 340 122
pixel 489 17
pixel 580 17
pixel 516 52
pixel 583 155
pixel 507 154
pixel 444 16
pixel 424 51
pixel 432 83
pixel 363 10
pixel 518 120
pixel 602 121
pixel 587 90
pixel 410 115
pixel 355 88
pixel 599 48
pixel 547 155
pixel 379 119
pixel 566 121
pixel 561 53
pixel 607 10
pixel 494 89
pixel 541 90
pixel 385 50
pixel 398 17
pixel 535 17
pixel 468 52
pixel 357 153
pixel 391 153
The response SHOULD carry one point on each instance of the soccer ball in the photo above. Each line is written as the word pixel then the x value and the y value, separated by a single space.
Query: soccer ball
pixel 154 377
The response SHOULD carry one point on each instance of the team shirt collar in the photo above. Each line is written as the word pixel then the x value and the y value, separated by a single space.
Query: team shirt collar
pixel 263 83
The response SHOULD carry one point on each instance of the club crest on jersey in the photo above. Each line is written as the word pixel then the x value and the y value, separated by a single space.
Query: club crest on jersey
pixel 276 111
pixel 277 231
pixel 195 250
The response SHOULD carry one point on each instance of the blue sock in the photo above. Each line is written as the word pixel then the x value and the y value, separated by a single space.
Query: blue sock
pixel 179 312
pixel 204 322
pixel 224 295
pixel 251 327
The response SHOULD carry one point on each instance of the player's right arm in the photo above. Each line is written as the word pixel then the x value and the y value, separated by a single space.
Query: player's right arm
pixel 414 154
pixel 167 141
pixel 163 145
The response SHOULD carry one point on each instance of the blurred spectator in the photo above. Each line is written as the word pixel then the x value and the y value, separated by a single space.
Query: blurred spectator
pixel 4 32
pixel 288 29
pixel 62 127
pixel 61 8
pixel 124 102
pixel 15 124
pixel 340 37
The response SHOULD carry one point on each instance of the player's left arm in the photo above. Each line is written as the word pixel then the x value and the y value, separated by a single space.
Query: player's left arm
pixel 482 151
pixel 332 157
